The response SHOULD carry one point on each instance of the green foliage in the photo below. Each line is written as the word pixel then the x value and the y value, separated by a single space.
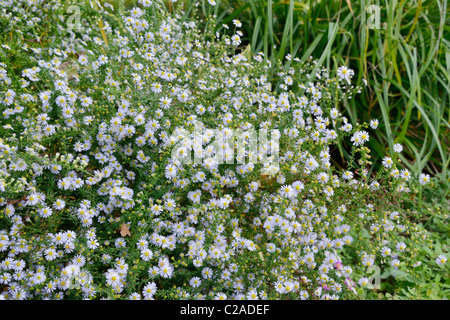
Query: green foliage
pixel 406 64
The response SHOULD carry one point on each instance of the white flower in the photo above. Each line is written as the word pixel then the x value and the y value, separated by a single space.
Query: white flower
pixel 387 162
pixel 398 147
pixel 441 259
pixel 146 254
pixel 287 191
pixel 424 178
pixel 395 263
pixel 374 123
pixel 171 171
pixel 405 174
pixel 236 39
pixel 363 281
pixel 347 175
pixel 322 177
pixel 401 246
pixel 45 212
pixel 195 282
pixel 345 73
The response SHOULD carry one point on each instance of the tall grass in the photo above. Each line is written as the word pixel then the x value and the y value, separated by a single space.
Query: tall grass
pixel 406 63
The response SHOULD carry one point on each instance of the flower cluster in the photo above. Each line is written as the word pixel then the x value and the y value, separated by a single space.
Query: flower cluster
pixel 94 206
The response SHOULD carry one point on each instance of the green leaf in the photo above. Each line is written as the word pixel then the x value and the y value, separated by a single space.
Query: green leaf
pixel 438 248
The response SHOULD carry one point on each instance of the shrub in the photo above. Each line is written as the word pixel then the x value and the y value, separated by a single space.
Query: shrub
pixel 96 205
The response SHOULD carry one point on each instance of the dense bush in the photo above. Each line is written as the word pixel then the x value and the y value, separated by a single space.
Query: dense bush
pixel 96 205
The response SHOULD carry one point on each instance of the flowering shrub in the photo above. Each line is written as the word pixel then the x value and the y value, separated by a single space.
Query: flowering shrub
pixel 95 205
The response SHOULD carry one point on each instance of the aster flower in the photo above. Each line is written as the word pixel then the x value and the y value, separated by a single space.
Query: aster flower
pixel 374 123
pixel 398 148
pixel 387 162
pixel 345 73
pixel 441 259
pixel 424 178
